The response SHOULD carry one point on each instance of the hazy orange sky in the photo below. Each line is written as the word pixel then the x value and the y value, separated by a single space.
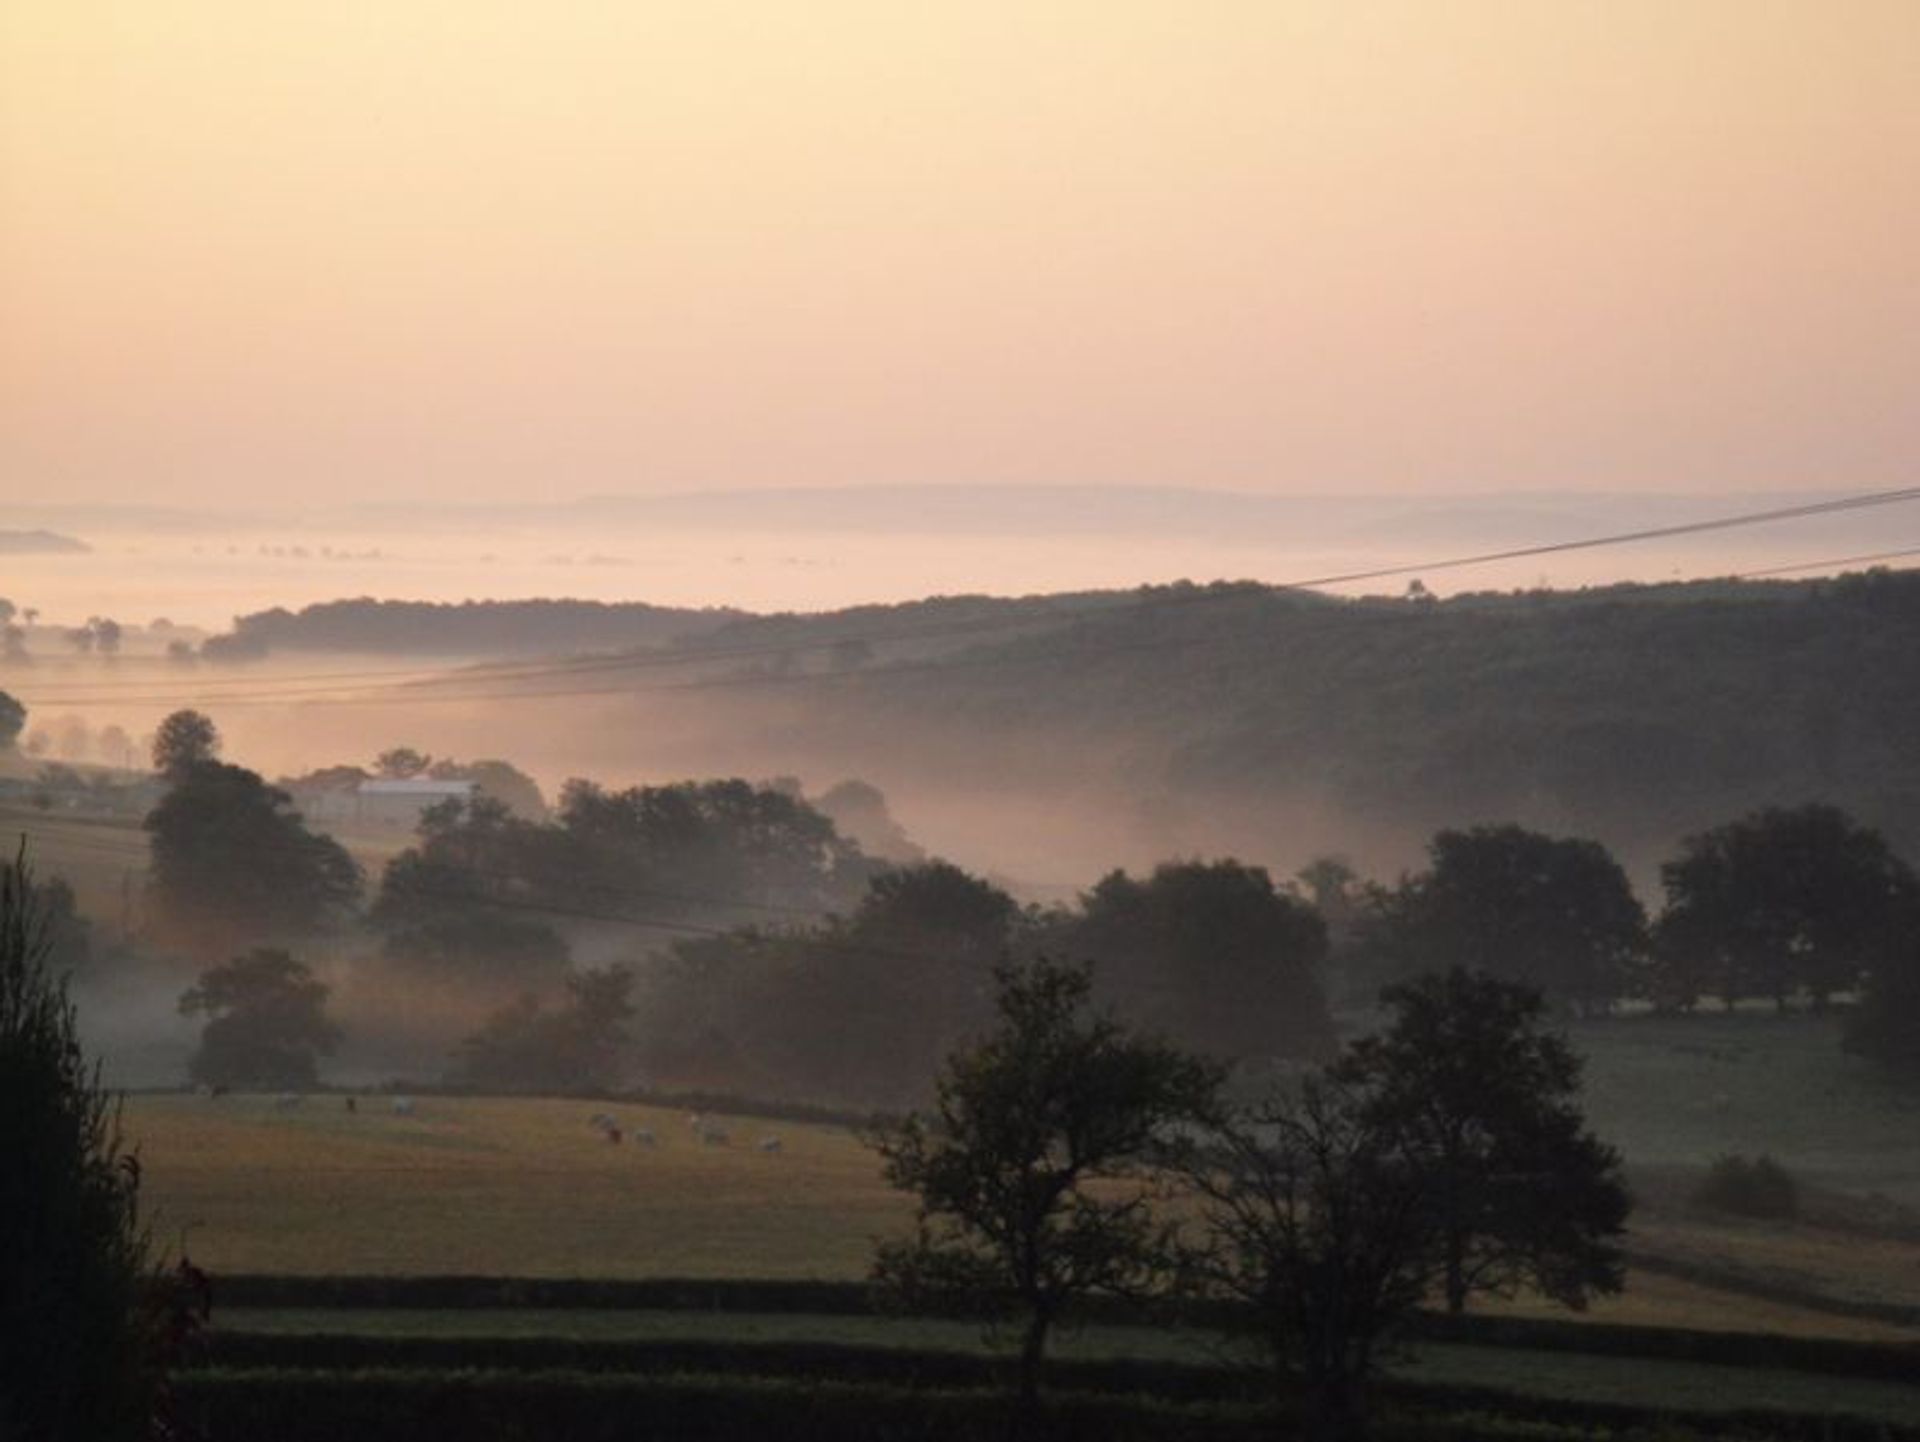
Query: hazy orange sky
pixel 259 249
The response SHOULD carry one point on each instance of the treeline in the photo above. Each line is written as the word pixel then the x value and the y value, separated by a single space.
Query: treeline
pixel 466 628
pixel 1789 905
pixel 1644 711
pixel 726 936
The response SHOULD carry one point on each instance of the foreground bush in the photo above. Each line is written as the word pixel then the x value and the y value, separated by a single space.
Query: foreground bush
pixel 75 1354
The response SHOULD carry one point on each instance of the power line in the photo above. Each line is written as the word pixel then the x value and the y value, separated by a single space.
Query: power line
pixel 1867 559
pixel 277 693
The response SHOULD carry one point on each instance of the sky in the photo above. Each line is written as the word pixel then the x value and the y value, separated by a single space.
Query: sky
pixel 479 250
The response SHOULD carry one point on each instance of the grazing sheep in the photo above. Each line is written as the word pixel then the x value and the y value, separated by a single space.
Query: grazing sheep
pixel 403 1106
pixel 643 1136
pixel 770 1145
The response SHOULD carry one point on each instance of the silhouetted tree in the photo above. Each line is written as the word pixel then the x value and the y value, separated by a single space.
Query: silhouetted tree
pixel 232 862
pixel 401 763
pixel 185 740
pixel 75 1269
pixel 1485 1101
pixel 1035 1172
pixel 13 720
pixel 1319 1221
pixel 1557 914
pixel 1210 954
pixel 1782 901
pixel 266 1026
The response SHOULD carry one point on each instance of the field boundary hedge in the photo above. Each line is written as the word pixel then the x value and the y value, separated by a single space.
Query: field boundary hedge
pixel 373 1405
pixel 1895 1361
pixel 1745 1284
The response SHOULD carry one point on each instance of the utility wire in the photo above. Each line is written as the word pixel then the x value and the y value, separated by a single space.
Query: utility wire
pixel 1867 559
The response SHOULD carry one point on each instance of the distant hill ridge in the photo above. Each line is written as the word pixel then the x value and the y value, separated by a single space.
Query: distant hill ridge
pixel 40 543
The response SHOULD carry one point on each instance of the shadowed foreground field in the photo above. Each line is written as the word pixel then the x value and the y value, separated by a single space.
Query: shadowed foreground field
pixel 528 1188
pixel 1574 1377
pixel 503 1187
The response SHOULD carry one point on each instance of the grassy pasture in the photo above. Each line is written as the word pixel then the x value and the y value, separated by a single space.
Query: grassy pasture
pixel 528 1188
pixel 1674 1092
pixel 502 1187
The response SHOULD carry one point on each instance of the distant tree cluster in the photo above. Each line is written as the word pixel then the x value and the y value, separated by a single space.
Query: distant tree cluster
pixel 579 1046
pixel 854 1009
pixel 1778 905
pixel 266 1023
pixel 232 863
pixel 1782 903
pixel 665 851
pixel 489 628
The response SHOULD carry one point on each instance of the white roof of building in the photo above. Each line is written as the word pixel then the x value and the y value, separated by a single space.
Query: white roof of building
pixel 420 786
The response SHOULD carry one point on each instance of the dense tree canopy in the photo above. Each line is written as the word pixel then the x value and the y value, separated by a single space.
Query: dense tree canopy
pixel 266 1026
pixel 1779 902
pixel 1208 953
pixel 715 850
pixel 1557 914
pixel 578 1047
pixel 186 739
pixel 1485 1101
pixel 856 1010
pixel 233 863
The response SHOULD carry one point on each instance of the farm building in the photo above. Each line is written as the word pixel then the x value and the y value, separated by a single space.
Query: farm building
pixel 400 803
pixel 395 804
